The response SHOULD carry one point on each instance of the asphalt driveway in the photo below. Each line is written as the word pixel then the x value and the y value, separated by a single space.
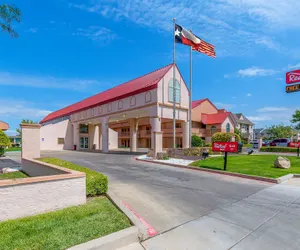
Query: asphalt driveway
pixel 166 197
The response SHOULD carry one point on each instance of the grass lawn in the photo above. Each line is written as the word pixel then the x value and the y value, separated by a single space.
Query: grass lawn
pixel 12 149
pixel 64 228
pixel 259 165
pixel 13 175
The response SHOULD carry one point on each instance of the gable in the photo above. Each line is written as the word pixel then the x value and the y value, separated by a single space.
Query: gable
pixel 206 107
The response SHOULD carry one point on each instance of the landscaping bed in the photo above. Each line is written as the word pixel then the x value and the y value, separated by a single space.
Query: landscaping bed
pixel 96 183
pixel 64 228
pixel 13 175
pixel 256 165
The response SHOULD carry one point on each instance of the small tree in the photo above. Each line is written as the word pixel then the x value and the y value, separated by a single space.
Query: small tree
pixel 26 121
pixel 8 14
pixel 296 119
pixel 197 141
pixel 4 142
pixel 225 137
pixel 280 131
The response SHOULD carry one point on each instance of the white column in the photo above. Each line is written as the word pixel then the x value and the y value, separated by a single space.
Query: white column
pixel 185 135
pixel 76 134
pixel 96 137
pixel 156 135
pixel 133 135
pixel 105 135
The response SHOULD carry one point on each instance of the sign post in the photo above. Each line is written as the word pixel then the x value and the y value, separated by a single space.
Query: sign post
pixel 225 147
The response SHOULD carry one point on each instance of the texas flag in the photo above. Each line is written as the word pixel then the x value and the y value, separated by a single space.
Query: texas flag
pixel 188 38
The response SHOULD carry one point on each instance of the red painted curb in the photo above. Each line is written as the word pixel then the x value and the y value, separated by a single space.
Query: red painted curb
pixel 251 177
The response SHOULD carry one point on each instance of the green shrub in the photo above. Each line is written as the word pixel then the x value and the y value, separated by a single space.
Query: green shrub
pixel 2 151
pixel 4 142
pixel 208 145
pixel 197 141
pixel 96 183
pixel 195 151
pixel 278 149
pixel 225 137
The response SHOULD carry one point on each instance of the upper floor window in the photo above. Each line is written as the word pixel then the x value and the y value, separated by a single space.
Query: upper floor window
pixel 177 91
pixel 84 129
pixel 228 128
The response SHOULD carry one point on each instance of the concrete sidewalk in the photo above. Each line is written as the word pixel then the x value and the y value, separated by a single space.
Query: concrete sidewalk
pixel 268 219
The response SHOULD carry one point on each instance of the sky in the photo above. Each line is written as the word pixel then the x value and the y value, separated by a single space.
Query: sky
pixel 68 50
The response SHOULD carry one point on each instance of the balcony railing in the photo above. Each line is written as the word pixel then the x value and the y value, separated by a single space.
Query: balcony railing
pixel 124 134
pixel 144 133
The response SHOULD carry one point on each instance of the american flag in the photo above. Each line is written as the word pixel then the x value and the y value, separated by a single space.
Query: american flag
pixel 188 38
pixel 205 48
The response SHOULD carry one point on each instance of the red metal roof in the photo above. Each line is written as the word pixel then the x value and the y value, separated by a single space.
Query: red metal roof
pixel 198 102
pixel 218 118
pixel 138 85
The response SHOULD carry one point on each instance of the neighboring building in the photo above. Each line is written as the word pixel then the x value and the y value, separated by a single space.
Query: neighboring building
pixel 207 119
pixel 245 126
pixel 4 126
pixel 296 136
pixel 15 140
pixel 135 114
pixel 260 133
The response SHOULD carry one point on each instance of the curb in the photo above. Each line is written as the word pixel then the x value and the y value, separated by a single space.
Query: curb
pixel 145 231
pixel 116 240
pixel 251 177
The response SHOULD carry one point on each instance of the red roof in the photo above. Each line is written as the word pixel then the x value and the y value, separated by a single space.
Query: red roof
pixel 138 85
pixel 197 103
pixel 218 118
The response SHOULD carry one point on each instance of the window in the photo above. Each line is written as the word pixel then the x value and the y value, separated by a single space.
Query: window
pixel 213 130
pixel 177 91
pixel 228 128
pixel 84 129
pixel 132 101
pixel 60 141
pixel 148 97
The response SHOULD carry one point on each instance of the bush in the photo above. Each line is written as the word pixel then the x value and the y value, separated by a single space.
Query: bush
pixel 225 137
pixel 278 149
pixel 4 142
pixel 96 183
pixel 197 141
pixel 208 145
pixel 195 151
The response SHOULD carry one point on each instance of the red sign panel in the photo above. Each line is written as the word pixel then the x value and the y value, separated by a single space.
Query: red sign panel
pixel 294 144
pixel 293 76
pixel 225 147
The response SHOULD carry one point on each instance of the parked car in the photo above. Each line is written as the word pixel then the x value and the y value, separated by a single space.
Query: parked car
pixel 266 143
pixel 282 142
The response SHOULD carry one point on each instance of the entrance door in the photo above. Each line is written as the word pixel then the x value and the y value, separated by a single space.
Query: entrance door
pixel 84 143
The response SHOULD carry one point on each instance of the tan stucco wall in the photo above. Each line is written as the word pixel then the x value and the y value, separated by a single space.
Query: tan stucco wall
pixel 35 195
pixel 204 108
pixel 31 141
pixel 113 139
pixel 223 126
pixel 51 132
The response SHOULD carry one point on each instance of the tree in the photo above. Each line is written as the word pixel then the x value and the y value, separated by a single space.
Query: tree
pixel 197 141
pixel 4 142
pixel 9 14
pixel 296 119
pixel 280 131
pixel 26 121
pixel 225 137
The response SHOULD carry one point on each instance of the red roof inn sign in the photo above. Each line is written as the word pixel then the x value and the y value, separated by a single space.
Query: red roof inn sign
pixel 231 147
pixel 291 78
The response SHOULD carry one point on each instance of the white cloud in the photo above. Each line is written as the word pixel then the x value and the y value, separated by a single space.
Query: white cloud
pixel 17 109
pixel 295 66
pixel 259 118
pixel 96 33
pixel 32 30
pixel 226 106
pixel 272 109
pixel 255 71
pixel 232 25
pixel 15 79
pixel 249 95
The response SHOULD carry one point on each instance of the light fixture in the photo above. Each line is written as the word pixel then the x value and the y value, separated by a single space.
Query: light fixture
pixel 124 116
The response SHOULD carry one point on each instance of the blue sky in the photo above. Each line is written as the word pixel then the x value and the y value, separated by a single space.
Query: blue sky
pixel 69 50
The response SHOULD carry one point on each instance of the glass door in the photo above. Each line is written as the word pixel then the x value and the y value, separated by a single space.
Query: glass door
pixel 84 143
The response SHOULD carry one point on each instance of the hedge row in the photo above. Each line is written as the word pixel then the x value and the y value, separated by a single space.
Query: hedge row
pixel 96 183
pixel 196 151
pixel 278 149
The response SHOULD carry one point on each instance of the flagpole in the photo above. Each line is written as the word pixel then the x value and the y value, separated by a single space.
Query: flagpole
pixel 174 82
pixel 191 81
